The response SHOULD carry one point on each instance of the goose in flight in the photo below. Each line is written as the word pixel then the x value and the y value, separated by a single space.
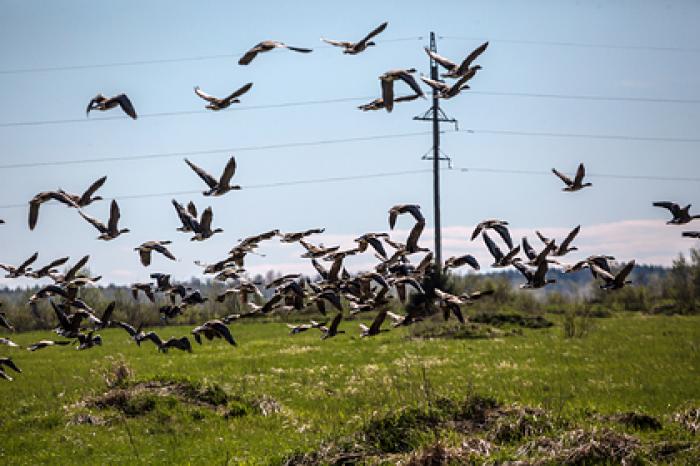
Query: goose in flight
pixel 458 261
pixel 100 102
pixel 213 329
pixel 372 239
pixel 691 234
pixel 387 81
pixel 296 236
pixel 500 260
pixel 182 343
pixel 42 197
pixel 446 91
pixel 20 270
pixel 399 209
pixel 202 228
pixel 89 340
pixel 188 216
pixel 577 183
pixel 4 322
pixel 148 247
pixel 376 327
pixel 46 343
pixel 220 187
pixel 9 363
pixel 332 330
pixel 216 103
pixel 313 251
pixel 454 70
pixel 48 270
pixel 499 226
pixel 296 329
pixel 111 231
pixel 680 216
pixel 353 48
pixel 8 342
pixel 613 282
pixel 87 198
pixel 266 46
pixel 536 279
pixel 564 248
pixel 378 103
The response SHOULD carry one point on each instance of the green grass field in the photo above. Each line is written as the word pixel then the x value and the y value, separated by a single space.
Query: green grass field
pixel 275 394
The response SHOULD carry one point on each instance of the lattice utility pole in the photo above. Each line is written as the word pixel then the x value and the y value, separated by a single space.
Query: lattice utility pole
pixel 436 115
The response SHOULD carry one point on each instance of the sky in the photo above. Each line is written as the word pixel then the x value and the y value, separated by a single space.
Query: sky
pixel 640 58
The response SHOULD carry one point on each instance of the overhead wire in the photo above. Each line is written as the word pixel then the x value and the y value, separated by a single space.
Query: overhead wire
pixel 654 48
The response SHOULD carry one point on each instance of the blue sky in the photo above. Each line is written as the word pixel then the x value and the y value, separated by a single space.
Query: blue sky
pixel 646 53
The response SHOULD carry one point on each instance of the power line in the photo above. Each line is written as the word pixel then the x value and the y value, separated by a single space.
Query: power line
pixel 123 158
pixel 334 179
pixel 347 99
pixel 120 158
pixel 161 60
pixel 617 137
pixel 590 175
pixel 578 44
pixel 337 179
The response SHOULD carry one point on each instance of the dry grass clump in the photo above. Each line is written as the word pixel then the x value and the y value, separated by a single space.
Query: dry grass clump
pixel 689 419
pixel 582 447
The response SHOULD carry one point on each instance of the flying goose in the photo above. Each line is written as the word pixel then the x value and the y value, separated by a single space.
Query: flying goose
pixel 447 91
pixel 577 183
pixel 203 229
pixel 680 216
pixel 353 48
pixel 49 269
pixel 378 103
pixel 188 216
pixel 220 187
pixel 20 270
pixel 216 103
pixel 387 81
pixel 9 363
pixel 42 197
pixel 296 236
pixel 450 303
pixel 100 102
pixel 399 209
pixel 87 341
pixel 375 328
pixel 458 261
pixel 296 329
pixel 500 260
pixel 213 329
pixel 135 333
pixel 536 279
pixel 613 282
pixel 266 46
pixel 499 226
pixel 72 272
pixel 313 251
pixel 4 322
pixel 111 231
pixel 372 239
pixel 148 247
pixel 454 70
pixel 8 342
pixel 87 197
pixel 332 330
pixel 564 248
pixel 46 343
pixel 691 234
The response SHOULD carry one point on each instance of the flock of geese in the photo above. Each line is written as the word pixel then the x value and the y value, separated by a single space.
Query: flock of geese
pixel 401 268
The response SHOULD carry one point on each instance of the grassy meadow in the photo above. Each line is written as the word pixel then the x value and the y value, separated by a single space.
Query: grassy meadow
pixel 277 395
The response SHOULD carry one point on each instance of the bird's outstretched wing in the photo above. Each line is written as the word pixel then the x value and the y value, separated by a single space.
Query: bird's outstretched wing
pixel 239 92
pixel 114 215
pixel 126 105
pixel 338 43
pixel 94 222
pixel 464 66
pixel 580 173
pixel 562 176
pixel 672 206
pixel 228 173
pixel 205 96
pixel 442 61
pixel 374 32
pixel 206 177
pixel 87 195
